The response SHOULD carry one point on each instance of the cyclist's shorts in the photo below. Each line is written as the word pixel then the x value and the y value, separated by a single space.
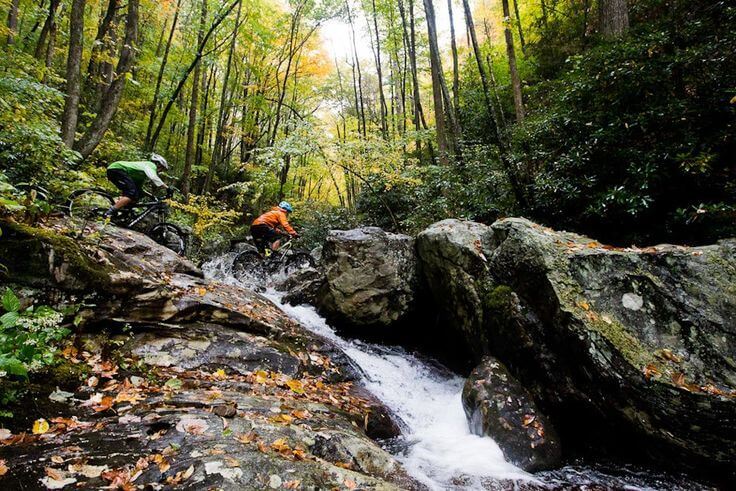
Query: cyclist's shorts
pixel 263 235
pixel 124 183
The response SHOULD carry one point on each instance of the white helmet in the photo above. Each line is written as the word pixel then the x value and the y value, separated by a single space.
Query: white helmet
pixel 159 160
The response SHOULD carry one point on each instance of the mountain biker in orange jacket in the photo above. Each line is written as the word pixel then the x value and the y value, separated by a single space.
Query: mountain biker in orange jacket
pixel 268 228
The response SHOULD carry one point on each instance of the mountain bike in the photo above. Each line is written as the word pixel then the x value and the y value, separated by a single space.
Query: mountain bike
pixel 91 204
pixel 286 260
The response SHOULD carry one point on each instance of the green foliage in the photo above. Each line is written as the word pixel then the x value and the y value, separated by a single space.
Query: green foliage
pixel 28 338
pixel 476 190
pixel 30 145
pixel 635 133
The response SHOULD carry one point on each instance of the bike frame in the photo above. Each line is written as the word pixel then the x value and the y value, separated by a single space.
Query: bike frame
pixel 148 208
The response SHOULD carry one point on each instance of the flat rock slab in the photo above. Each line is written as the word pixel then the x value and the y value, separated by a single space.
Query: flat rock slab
pixel 198 421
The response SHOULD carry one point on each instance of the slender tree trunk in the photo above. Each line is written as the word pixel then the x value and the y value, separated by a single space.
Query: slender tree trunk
pixel 159 79
pixel 40 52
pixel 356 60
pixel 219 151
pixel 190 153
pixel 455 62
pixel 379 70
pixel 99 45
pixel 519 27
pixel 73 75
pixel 614 18
pixel 481 69
pixel 50 51
pixel 12 22
pixel 189 70
pixel 205 89
pixel 114 92
pixel 514 72
pixel 436 71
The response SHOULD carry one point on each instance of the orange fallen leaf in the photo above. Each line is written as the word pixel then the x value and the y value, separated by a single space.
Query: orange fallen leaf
pixel 3 467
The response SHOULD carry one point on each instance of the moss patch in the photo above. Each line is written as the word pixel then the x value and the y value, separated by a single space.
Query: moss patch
pixel 26 251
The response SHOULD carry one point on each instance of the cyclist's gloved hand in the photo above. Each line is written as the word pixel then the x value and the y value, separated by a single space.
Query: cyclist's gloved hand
pixel 169 193
pixel 110 213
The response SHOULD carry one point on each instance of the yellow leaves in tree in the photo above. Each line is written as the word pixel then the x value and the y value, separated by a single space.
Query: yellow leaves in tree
pixel 40 426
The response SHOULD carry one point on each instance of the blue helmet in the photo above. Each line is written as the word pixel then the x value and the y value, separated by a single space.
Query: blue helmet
pixel 284 205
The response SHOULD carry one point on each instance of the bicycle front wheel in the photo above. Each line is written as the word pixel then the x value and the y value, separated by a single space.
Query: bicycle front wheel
pixel 170 236
pixel 89 204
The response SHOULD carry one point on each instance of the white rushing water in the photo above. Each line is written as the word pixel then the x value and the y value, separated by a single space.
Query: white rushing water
pixel 441 451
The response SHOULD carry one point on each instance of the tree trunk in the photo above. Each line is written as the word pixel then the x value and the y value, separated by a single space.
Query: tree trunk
pixel 455 62
pixel 356 61
pixel 40 52
pixel 379 70
pixel 12 22
pixel 189 70
pixel 614 18
pixel 159 79
pixel 511 53
pixel 482 70
pixel 190 153
pixel 99 45
pixel 219 151
pixel 436 71
pixel 50 51
pixel 522 42
pixel 111 100
pixel 73 75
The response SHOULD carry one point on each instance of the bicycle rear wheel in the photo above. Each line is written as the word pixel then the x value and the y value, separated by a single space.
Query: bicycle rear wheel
pixel 170 236
pixel 89 204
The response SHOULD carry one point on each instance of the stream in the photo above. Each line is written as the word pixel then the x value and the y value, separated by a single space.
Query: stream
pixel 438 448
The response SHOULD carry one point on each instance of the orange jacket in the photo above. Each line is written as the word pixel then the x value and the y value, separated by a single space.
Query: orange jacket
pixel 275 218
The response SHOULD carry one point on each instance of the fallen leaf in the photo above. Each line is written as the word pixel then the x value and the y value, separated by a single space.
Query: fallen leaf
pixel 350 484
pixel 105 404
pixel 90 471
pixel 220 374
pixel 3 467
pixel 678 379
pixel 231 462
pixel 194 426
pixel 5 433
pixel 173 383
pixel 650 371
pixel 296 484
pixel 528 419
pixel 247 438
pixel 40 426
pixel 296 386
pixel 301 414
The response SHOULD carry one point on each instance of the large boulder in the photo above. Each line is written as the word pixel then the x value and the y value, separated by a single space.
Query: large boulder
pixel 370 278
pixel 625 343
pixel 498 406
pixel 186 382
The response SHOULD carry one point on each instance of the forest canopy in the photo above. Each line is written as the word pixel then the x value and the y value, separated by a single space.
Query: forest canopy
pixel 613 118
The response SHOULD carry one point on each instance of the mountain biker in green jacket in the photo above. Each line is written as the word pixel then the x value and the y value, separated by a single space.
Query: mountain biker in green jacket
pixel 129 177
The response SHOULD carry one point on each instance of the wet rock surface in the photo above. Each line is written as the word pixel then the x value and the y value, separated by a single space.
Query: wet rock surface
pixel 370 278
pixel 498 406
pixel 632 344
pixel 189 383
